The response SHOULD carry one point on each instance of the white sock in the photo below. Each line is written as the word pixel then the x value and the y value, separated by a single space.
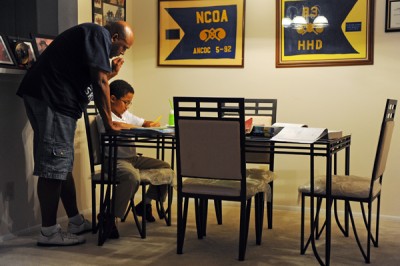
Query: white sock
pixel 49 230
pixel 77 219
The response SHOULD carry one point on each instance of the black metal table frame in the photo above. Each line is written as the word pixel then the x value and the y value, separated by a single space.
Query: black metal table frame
pixel 161 141
pixel 321 148
pixel 125 138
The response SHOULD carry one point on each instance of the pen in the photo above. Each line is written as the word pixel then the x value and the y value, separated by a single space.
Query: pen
pixel 157 120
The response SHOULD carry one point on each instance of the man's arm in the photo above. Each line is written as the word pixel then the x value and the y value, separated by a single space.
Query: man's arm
pixel 101 94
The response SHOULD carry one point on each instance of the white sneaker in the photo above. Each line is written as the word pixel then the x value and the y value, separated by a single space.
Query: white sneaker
pixel 60 238
pixel 78 229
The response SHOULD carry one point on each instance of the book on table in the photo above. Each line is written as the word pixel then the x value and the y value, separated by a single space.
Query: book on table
pixel 334 134
pixel 301 134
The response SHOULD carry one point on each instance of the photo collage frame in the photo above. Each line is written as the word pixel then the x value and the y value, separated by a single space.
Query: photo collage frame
pixel 105 11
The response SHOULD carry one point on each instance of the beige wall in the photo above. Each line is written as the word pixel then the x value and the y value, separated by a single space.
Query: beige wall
pixel 349 98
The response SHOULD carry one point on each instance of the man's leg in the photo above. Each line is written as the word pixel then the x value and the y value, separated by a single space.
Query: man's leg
pixel 77 223
pixel 49 194
pixel 68 196
pixel 53 155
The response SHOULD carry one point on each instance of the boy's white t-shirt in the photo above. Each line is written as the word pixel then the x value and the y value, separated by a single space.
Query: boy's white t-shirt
pixel 126 117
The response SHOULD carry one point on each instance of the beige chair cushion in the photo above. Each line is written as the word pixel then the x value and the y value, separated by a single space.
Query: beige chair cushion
pixel 342 185
pixel 155 177
pixel 223 187
pixel 163 176
pixel 261 174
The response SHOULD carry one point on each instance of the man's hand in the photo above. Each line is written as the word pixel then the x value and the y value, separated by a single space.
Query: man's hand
pixel 116 65
pixel 114 127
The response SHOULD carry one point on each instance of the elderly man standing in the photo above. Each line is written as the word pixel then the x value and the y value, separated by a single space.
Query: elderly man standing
pixel 56 89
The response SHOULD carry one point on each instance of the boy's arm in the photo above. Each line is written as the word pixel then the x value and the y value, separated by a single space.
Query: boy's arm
pixel 124 125
pixel 150 124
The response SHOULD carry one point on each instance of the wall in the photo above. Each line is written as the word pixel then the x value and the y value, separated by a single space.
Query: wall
pixel 350 98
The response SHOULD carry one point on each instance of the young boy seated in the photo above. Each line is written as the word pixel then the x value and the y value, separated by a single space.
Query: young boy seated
pixel 129 163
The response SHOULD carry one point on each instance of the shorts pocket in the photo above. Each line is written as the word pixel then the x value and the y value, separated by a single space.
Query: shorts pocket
pixel 57 161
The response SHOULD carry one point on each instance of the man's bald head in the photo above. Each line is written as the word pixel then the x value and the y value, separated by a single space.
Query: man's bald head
pixel 122 37
pixel 122 28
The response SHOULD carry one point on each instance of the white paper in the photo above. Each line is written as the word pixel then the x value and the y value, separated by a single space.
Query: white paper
pixel 299 134
pixel 395 15
pixel 279 124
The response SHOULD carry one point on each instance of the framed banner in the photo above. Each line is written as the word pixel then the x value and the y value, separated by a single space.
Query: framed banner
pixel 104 11
pixel 392 15
pixel 324 33
pixel 207 33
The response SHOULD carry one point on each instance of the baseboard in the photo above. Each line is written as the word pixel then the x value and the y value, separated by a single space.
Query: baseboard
pixel 36 228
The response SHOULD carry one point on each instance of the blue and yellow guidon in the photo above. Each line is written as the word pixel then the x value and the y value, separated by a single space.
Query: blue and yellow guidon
pixel 201 32
pixel 346 37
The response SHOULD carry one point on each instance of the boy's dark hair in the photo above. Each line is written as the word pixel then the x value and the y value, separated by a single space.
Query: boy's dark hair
pixel 119 88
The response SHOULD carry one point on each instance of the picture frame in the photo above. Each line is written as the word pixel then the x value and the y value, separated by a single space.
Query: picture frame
pixel 41 41
pixel 201 33
pixel 6 56
pixel 392 17
pixel 105 11
pixel 23 51
pixel 315 33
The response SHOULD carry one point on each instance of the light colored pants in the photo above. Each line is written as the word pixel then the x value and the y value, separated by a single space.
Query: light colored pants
pixel 129 181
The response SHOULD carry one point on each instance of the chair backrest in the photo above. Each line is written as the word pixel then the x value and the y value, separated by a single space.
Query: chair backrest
pixel 263 111
pixel 92 135
pixel 385 137
pixel 261 108
pixel 209 144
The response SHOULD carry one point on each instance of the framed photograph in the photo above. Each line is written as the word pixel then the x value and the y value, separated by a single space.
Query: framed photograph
pixel 6 56
pixel 392 15
pixel 105 11
pixel 207 33
pixel 23 51
pixel 41 42
pixel 318 33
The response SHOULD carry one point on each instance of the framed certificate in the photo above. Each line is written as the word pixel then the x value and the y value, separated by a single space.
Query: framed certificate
pixel 207 33
pixel 319 33
pixel 392 15
pixel 6 57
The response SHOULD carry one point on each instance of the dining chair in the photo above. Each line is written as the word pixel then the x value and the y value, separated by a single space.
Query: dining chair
pixel 363 190
pixel 263 112
pixel 148 176
pixel 211 164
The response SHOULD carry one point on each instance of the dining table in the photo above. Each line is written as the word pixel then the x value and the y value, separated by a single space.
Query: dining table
pixel 163 139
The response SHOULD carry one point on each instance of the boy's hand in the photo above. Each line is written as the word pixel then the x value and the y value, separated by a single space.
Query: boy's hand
pixel 154 124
